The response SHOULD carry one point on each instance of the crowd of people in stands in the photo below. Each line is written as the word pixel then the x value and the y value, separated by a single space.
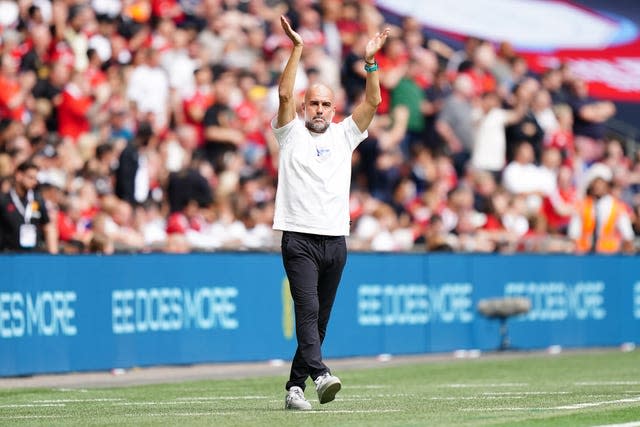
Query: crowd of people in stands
pixel 149 125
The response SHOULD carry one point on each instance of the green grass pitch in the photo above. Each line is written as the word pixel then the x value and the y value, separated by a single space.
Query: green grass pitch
pixel 591 388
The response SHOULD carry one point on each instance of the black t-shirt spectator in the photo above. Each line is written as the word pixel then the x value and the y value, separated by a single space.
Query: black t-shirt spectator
pixel 11 219
pixel 188 185
pixel 215 151
pixel 352 82
pixel 581 127
pixel 526 130
pixel 44 89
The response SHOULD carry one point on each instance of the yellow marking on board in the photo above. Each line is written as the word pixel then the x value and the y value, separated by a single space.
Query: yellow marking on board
pixel 287 310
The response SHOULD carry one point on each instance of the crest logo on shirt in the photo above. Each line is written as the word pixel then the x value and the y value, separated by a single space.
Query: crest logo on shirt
pixel 321 152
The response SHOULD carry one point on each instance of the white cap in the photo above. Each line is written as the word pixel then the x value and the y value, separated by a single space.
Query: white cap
pixel 597 170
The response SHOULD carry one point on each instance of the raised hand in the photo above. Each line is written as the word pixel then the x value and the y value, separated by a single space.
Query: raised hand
pixel 295 37
pixel 375 44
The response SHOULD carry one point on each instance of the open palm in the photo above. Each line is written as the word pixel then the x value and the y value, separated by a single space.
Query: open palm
pixel 374 44
pixel 295 37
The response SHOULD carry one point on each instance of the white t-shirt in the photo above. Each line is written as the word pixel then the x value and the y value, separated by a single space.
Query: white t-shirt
pixel 490 147
pixel 314 177
pixel 149 88
pixel 522 178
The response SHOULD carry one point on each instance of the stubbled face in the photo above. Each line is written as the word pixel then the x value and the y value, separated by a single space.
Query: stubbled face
pixel 26 180
pixel 319 108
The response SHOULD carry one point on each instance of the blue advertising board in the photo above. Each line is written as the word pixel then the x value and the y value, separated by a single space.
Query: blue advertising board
pixel 81 313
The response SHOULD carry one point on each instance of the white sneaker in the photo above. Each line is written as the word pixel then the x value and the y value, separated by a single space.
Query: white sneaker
pixel 295 400
pixel 327 386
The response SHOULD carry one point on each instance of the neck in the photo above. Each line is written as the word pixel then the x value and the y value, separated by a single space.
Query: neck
pixel 20 191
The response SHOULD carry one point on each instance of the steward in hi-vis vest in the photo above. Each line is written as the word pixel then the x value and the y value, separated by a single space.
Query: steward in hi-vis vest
pixel 601 222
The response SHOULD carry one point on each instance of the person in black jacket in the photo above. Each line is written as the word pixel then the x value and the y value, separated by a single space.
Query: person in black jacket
pixel 24 221
pixel 132 174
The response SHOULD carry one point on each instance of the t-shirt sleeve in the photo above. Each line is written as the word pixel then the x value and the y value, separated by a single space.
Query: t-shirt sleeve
pixel 352 133
pixel 448 114
pixel 284 133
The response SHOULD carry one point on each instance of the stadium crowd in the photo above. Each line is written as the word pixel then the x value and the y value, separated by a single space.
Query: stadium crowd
pixel 149 123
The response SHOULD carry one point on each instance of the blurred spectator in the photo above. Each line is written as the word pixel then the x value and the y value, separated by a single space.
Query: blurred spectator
pixel 188 185
pixel 409 94
pixel 590 117
pixel 74 108
pixel 14 89
pixel 562 137
pixel 527 128
pixel 133 178
pixel 479 69
pixel 79 17
pixel 558 206
pixel 552 81
pixel 455 122
pixel 523 177
pixel 148 89
pixel 222 136
pixel 352 74
pixel 490 143
pixel 542 109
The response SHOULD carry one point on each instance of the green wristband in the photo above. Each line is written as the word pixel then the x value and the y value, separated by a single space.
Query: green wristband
pixel 371 68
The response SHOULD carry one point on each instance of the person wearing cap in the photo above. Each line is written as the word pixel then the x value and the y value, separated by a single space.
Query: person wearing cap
pixel 312 207
pixel 24 222
pixel 601 222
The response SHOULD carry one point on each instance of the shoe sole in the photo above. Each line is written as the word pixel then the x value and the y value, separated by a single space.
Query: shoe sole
pixel 330 392
pixel 293 408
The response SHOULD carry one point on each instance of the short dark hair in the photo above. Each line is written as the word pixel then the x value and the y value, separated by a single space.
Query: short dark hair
pixel 26 165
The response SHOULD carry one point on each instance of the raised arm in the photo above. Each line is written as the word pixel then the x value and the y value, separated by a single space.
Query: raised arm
pixel 287 106
pixel 366 109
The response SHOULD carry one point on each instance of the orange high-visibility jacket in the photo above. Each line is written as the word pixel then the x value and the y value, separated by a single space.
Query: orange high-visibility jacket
pixel 609 238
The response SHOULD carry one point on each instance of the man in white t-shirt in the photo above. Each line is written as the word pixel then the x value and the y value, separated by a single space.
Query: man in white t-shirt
pixel 312 207
pixel 490 146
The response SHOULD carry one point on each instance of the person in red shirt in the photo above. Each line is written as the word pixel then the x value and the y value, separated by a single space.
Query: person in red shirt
pixel 73 111
pixel 72 227
pixel 196 105
pixel 393 63
pixel 562 137
pixel 13 93
pixel 480 69
pixel 558 207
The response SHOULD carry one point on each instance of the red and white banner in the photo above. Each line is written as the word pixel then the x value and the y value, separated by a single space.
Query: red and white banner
pixel 598 47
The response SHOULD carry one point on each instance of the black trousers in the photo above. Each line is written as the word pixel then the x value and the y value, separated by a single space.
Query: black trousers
pixel 314 267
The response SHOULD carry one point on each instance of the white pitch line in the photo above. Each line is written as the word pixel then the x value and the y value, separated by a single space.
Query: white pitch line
pixel 589 383
pixel 629 424
pixel 556 408
pixel 78 400
pixel 463 385
pixel 601 403
pixel 154 403
pixel 522 393
pixel 213 398
pixel 33 405
pixel 32 417
pixel 503 409
pixel 477 397
pixel 181 414
pixel 368 387
pixel 348 411
pixel 389 395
